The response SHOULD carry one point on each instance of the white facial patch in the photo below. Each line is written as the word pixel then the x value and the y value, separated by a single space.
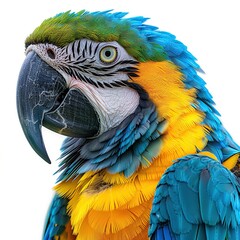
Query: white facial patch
pixel 113 105
pixel 118 104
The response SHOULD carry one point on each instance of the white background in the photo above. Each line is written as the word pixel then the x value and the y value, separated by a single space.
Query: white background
pixel 210 29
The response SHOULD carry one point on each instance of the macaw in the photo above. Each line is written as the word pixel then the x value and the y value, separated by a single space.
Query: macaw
pixel 146 155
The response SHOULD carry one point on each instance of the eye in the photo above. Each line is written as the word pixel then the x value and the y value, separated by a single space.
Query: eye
pixel 108 54
pixel 51 53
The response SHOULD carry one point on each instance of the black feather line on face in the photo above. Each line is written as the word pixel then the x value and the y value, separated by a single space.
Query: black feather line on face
pixel 73 51
pixel 75 73
pixel 80 61
pixel 78 48
pixel 82 64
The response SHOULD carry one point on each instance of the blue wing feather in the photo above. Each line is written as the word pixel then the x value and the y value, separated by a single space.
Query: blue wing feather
pixel 197 198
pixel 57 218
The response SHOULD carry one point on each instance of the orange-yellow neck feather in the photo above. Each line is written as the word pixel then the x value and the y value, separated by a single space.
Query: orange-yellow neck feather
pixel 165 85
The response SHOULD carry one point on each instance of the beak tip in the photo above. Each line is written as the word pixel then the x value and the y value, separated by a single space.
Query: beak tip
pixel 45 157
pixel 48 161
pixel 40 150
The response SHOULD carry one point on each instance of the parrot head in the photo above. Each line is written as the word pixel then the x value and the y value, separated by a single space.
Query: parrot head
pixel 119 89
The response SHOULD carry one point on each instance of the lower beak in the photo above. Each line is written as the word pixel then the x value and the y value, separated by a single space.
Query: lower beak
pixel 44 99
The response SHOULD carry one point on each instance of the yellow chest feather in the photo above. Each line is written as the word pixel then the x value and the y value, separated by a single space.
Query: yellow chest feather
pixel 103 210
pixel 103 206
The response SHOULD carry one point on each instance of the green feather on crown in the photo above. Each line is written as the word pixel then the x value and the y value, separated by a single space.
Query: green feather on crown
pixel 138 39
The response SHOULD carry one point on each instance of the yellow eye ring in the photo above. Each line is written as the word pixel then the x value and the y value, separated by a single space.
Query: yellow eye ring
pixel 108 54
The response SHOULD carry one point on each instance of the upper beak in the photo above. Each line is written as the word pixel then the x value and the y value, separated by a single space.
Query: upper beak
pixel 44 99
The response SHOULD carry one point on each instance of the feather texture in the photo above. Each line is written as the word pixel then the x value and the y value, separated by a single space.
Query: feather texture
pixel 135 36
pixel 58 223
pixel 197 198
pixel 109 184
pixel 122 149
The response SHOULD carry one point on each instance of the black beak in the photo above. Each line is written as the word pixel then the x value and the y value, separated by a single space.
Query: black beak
pixel 44 99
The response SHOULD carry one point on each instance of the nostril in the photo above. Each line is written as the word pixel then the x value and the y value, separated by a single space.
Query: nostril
pixel 51 53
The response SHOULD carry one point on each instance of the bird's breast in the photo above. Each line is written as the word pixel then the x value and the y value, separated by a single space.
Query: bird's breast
pixel 110 207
